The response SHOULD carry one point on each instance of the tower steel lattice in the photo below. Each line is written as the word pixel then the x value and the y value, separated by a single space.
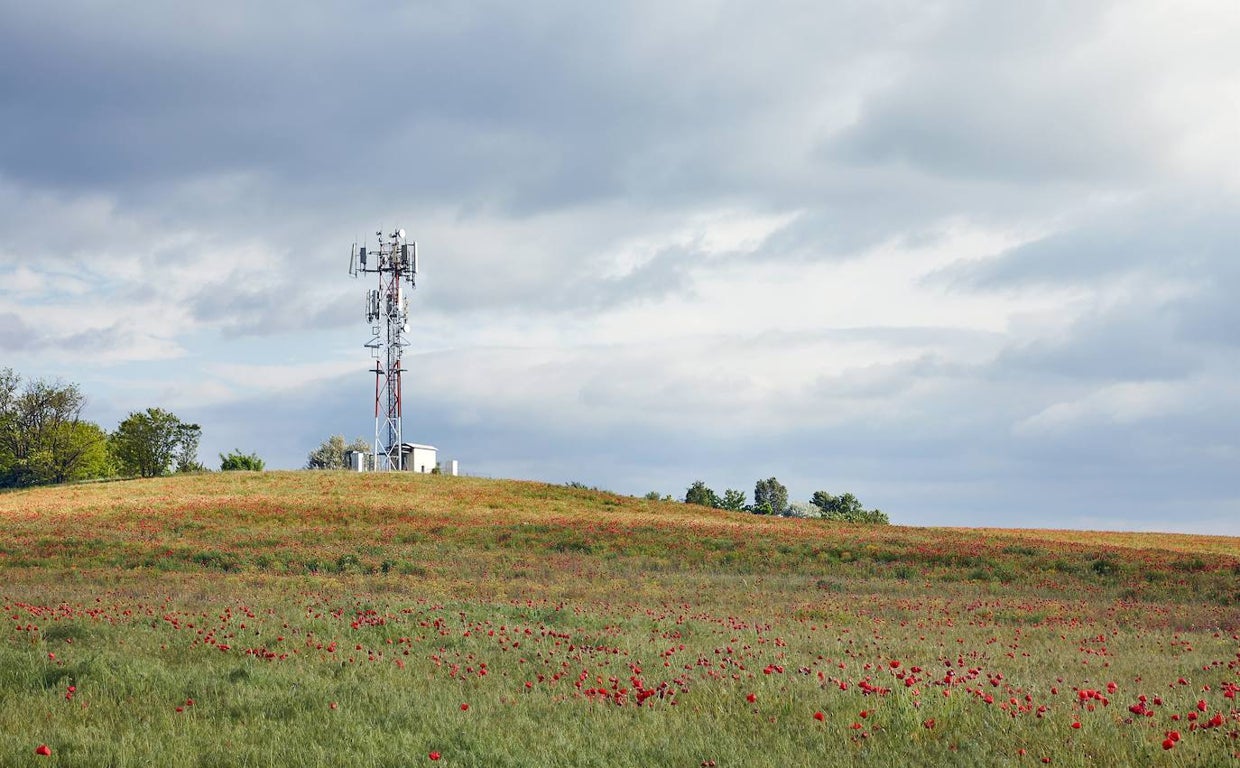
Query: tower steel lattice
pixel 395 263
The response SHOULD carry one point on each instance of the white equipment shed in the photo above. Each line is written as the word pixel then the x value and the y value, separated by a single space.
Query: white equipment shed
pixel 419 458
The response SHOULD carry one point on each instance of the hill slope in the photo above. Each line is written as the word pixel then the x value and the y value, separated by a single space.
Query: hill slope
pixel 317 522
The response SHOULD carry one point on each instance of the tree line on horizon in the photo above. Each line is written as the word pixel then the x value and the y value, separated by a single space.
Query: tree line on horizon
pixel 44 440
pixel 770 497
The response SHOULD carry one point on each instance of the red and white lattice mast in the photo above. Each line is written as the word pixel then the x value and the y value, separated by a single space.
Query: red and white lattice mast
pixel 395 263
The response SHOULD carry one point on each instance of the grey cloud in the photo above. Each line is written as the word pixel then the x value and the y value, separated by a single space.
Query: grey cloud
pixel 15 334
pixel 1133 342
pixel 521 108
pixel 1006 92
pixel 236 310
pixel 1212 315
pixel 19 336
pixel 1170 235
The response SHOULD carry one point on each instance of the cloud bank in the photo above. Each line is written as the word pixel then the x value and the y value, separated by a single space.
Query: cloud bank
pixel 971 261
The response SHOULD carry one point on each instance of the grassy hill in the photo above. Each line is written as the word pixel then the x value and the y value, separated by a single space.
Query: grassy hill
pixel 346 619
pixel 299 522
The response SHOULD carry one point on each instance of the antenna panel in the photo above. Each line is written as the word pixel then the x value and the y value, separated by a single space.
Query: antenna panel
pixel 372 305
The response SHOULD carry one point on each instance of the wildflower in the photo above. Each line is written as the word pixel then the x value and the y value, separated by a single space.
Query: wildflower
pixel 43 749
pixel 819 716
pixel 464 707
pixel 434 756
pixel 751 698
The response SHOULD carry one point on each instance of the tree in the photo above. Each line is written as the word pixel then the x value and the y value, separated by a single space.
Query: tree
pixel 699 493
pixel 238 461
pixel 147 442
pixel 331 454
pixel 83 453
pixel 42 436
pixel 188 436
pixel 733 500
pixel 770 497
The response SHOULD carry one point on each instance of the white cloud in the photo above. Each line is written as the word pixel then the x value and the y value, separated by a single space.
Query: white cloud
pixel 1124 403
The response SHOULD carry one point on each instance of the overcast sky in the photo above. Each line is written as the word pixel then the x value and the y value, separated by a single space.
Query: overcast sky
pixel 976 262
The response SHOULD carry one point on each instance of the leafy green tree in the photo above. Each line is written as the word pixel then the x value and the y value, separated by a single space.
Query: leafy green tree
pixel 331 454
pixel 733 500
pixel 83 453
pixel 244 462
pixel 699 493
pixel 770 497
pixel 42 436
pixel 188 437
pixel 146 443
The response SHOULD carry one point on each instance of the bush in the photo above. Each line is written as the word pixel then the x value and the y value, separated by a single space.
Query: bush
pixel 238 461
pixel 846 508
pixel 801 509
pixel 699 493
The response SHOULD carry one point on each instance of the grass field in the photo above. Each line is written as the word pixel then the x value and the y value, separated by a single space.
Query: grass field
pixel 339 619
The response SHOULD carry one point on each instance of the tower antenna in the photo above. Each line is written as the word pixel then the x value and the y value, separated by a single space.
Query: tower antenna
pixel 395 263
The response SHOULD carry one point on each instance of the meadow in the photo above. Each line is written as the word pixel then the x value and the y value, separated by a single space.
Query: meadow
pixel 315 619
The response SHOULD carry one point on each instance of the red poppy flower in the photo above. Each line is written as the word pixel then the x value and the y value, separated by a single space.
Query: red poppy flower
pixel 819 716
pixel 43 749
pixel 434 756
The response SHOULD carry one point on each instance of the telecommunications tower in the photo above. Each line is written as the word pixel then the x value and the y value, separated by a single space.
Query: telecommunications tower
pixel 395 262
